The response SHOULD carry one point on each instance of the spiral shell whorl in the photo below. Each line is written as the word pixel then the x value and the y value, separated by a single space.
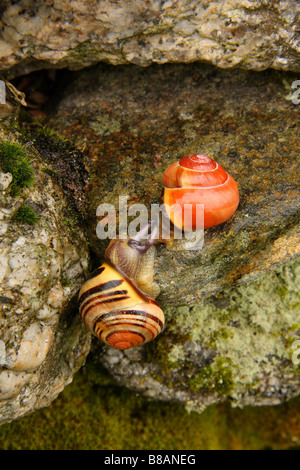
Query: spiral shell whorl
pixel 198 162
pixel 198 179
pixel 116 311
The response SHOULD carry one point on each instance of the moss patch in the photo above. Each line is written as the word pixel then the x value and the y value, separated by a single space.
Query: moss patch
pixel 216 377
pixel 26 214
pixel 14 159
pixel 93 413
pixel 66 165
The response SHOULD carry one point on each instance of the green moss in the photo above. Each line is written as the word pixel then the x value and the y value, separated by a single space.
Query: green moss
pixel 71 221
pixel 162 350
pixel 14 159
pixel 214 377
pixel 93 413
pixel 103 125
pixel 51 135
pixel 26 214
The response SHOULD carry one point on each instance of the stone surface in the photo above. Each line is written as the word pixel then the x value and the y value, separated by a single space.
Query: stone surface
pixel 42 265
pixel 238 345
pixel 245 121
pixel 232 308
pixel 5 180
pixel 250 33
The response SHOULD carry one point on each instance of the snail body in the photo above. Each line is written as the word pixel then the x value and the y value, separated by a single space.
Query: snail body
pixel 112 304
pixel 198 179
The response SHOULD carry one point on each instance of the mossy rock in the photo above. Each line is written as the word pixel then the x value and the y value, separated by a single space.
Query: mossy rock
pixel 15 160
pixel 238 345
pixel 42 342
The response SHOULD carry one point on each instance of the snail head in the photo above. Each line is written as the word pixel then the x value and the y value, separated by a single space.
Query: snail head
pixel 125 253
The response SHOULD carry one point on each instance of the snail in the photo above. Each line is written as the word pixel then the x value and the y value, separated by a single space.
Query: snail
pixel 198 179
pixel 117 302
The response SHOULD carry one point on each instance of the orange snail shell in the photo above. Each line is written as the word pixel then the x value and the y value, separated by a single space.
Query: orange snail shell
pixel 198 179
pixel 114 309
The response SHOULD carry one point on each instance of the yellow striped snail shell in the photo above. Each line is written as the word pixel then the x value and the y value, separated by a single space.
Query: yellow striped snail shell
pixel 113 307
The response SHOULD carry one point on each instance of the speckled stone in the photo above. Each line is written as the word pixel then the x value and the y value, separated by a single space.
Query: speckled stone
pixel 253 34
pixel 5 180
pixel 42 266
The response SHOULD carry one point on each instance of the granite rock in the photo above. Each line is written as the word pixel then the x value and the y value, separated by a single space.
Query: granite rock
pixel 42 265
pixel 251 34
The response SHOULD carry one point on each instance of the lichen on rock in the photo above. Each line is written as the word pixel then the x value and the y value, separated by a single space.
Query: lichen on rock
pixel 236 346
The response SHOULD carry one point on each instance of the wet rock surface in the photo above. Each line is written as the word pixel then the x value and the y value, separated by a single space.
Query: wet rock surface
pixel 252 34
pixel 135 122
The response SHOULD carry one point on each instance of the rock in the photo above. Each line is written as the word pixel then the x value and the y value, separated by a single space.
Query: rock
pixel 237 346
pixel 232 308
pixel 5 180
pixel 43 262
pixel 251 34
pixel 166 113
pixel 34 347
